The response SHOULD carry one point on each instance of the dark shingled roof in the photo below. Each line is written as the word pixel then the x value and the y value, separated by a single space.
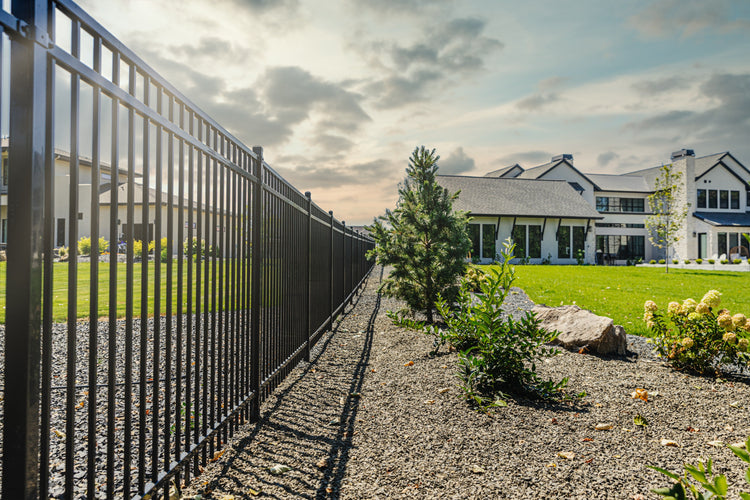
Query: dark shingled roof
pixel 724 219
pixel 517 197
pixel 502 171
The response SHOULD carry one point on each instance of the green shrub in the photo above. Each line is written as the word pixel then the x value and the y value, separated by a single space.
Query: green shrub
pixel 151 246
pixel 699 261
pixel 652 261
pixel 165 253
pixel 496 354
pixel 737 261
pixel 693 336
pixel 686 261
pixel 63 253
pixel 662 261
pixel 675 261
pixel 580 257
pixel 137 248
pixel 724 261
pixel 84 246
pixel 473 278
pixel 195 248
pixel 711 261
pixel 713 487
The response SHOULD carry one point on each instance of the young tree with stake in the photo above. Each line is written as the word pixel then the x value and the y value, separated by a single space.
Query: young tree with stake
pixel 668 215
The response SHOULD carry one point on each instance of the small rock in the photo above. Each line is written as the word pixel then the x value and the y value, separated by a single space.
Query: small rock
pixel 566 454
pixel 717 444
pixel 444 390
pixel 477 469
pixel 603 427
pixel 669 442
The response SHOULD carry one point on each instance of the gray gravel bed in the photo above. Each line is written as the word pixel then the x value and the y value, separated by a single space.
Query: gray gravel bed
pixel 362 421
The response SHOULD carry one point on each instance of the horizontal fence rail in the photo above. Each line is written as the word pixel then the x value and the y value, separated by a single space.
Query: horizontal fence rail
pixel 162 278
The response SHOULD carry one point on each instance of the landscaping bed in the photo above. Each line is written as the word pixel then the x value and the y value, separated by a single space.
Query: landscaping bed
pixel 374 415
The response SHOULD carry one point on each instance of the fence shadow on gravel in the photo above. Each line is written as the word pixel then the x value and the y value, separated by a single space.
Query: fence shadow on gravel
pixel 297 423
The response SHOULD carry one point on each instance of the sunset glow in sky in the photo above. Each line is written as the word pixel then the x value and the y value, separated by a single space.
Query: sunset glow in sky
pixel 340 92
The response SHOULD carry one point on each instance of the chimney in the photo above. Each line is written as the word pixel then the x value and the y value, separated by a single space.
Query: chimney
pixel 682 154
pixel 564 156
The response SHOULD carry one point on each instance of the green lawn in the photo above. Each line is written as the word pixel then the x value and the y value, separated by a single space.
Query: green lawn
pixel 619 292
pixel 60 289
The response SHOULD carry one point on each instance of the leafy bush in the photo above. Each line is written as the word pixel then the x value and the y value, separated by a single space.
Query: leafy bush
pixel 737 261
pixel 580 257
pixel 675 261
pixel 652 261
pixel 711 261
pixel 195 248
pixel 151 246
pixel 165 253
pixel 692 336
pixel 699 261
pixel 714 487
pixel 662 261
pixel 84 245
pixel 686 261
pixel 137 248
pixel 473 278
pixel 496 354
pixel 63 253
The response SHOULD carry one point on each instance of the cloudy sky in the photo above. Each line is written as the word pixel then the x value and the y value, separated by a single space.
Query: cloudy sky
pixel 339 92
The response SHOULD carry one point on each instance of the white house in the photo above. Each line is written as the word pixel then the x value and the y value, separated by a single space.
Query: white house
pixel 605 214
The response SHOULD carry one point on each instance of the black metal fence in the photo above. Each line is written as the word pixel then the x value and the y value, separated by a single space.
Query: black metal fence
pixel 127 371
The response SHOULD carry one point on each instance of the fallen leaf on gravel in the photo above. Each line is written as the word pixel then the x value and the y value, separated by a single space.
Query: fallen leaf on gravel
pixel 640 394
pixel 430 402
pixel 355 395
pixel 583 350
pixel 669 442
pixel 59 434
pixel 279 469
pixel 253 492
pixel 322 463
pixel 444 366
pixel 217 455
pixel 553 464
pixel 735 404
pixel 373 370
pixel 566 454
pixel 692 429
pixel 553 421
pixel 585 440
pixel 329 489
pixel 410 363
pixel 444 390
pixel 717 444
pixel 640 420
pixel 477 469
pixel 598 405
pixel 603 427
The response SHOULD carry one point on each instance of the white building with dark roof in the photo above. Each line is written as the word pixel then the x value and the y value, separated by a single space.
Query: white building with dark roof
pixel 553 211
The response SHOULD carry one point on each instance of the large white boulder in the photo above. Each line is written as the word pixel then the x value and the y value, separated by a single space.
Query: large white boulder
pixel 581 328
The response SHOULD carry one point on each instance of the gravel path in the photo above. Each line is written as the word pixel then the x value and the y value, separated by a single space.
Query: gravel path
pixel 358 422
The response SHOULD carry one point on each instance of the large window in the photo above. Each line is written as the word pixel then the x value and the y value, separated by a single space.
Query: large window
pixel 701 198
pixel 735 200
pixel 713 199
pixel 528 240
pixel 482 241
pixel 621 246
pixel 721 248
pixel 612 204
pixel 723 198
pixel 567 249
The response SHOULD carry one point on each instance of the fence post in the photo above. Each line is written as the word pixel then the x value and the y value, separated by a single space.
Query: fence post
pixel 330 278
pixel 309 274
pixel 26 198
pixel 351 266
pixel 343 266
pixel 255 373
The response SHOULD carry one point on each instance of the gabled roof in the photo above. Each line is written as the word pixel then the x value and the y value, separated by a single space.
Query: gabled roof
pixel 516 197
pixel 541 170
pixel 629 183
pixel 502 172
pixel 706 163
pixel 734 219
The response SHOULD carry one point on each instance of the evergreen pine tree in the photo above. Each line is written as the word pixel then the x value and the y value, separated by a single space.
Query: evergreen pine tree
pixel 423 239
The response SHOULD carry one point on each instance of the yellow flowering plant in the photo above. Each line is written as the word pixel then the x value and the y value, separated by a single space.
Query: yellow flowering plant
pixel 698 336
